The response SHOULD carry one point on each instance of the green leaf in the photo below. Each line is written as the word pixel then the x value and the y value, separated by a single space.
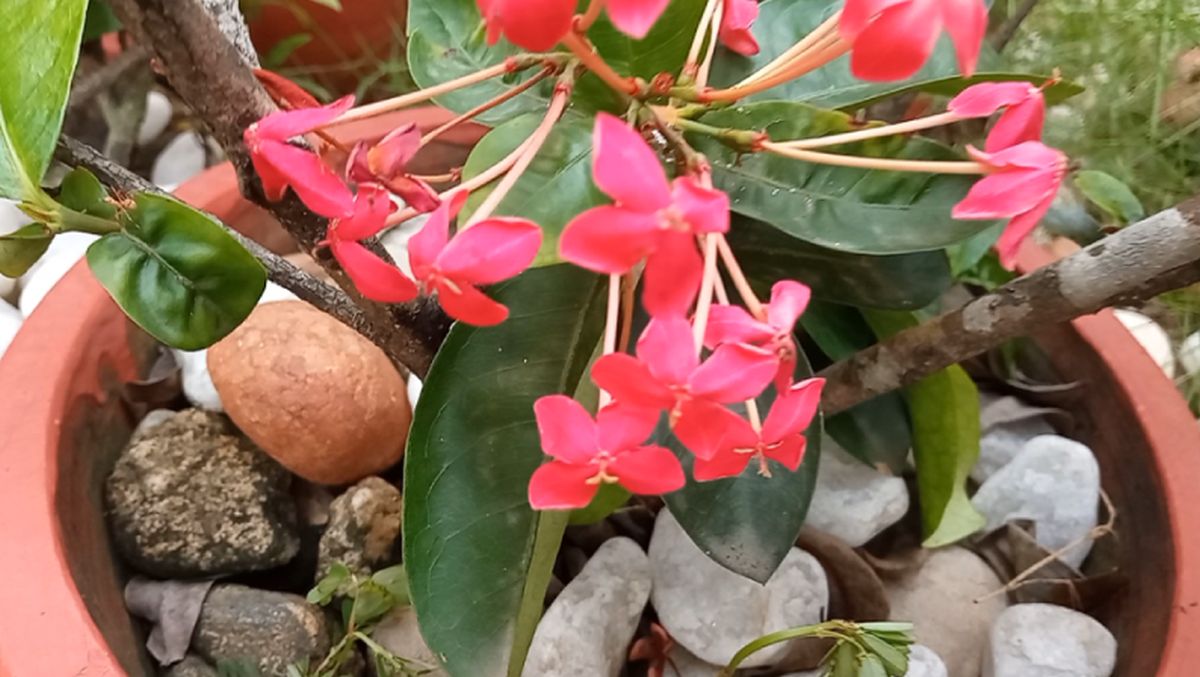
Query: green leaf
pixel 22 248
pixel 100 20
pixel 39 44
pixel 841 208
pixel 177 273
pixel 1111 195
pixel 279 53
pixel 82 191
pixel 748 523
pixel 945 420
pixel 872 667
pixel 900 281
pixel 843 661
pixel 607 501
pixel 469 533
pixel 894 660
pixel 556 187
pixel 395 581
pixel 328 586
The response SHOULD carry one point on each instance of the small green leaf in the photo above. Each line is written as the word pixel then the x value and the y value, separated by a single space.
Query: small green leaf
pixel 100 20
pixel 177 273
pixel 887 626
pixel 371 602
pixel 607 501
pixel 395 581
pixel 1111 195
pixel 82 191
pixel 328 586
pixel 22 248
pixel 279 53
pixel 843 661
pixel 39 45
pixel 872 667
pixel 894 660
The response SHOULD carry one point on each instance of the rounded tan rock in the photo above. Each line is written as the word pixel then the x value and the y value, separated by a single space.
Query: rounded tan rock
pixel 314 394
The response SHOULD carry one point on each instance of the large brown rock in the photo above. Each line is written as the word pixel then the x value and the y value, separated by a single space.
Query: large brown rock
pixel 315 395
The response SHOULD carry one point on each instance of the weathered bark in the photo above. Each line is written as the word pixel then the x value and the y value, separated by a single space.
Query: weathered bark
pixel 1158 254
pixel 210 75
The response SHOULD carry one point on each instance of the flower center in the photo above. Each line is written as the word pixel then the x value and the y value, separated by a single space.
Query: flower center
pixel 602 460
pixel 672 219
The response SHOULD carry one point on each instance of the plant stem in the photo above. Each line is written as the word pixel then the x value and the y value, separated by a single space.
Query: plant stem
pixel 739 278
pixel 706 64
pixel 704 304
pixel 507 96
pixel 796 50
pixel 703 29
pixel 885 164
pixel 551 525
pixel 592 61
pixel 906 127
pixel 558 104
pixel 841 630
pixel 830 48
pixel 79 222
pixel 628 298
pixel 611 319
pixel 584 21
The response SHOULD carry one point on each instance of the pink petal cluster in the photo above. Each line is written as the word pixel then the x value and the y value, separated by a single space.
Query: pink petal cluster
pixel 1021 183
pixel 652 219
pixel 385 162
pixel 539 25
pixel 738 17
pixel 892 39
pixel 1024 113
pixel 733 324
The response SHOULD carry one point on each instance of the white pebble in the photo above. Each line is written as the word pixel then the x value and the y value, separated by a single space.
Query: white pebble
pixel 64 252
pixel 156 119
pixel 184 157
pixel 395 241
pixel 11 218
pixel 852 500
pixel 1189 355
pixel 198 387
pixel 1154 339
pixel 10 324
pixel 414 389
pixel 1044 640
pixel 274 292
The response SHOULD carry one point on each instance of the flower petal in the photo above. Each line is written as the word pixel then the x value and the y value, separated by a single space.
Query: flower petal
pixel 372 205
pixel 274 182
pixel 966 22
pixel 1018 229
pixel 425 247
pixel 985 98
pixel 673 276
pixel 393 152
pixel 317 186
pixel 734 324
pixel 648 470
pixel 735 32
pixel 283 125
pixel 567 431
pixel 626 168
pixel 723 465
pixel 733 373
pixel 705 209
pixel 1020 123
pixel 465 303
pixel 667 349
pixel 630 382
pixel 708 429
pixel 283 90
pixel 789 299
pixel 857 15
pixel 621 426
pixel 491 250
pixel 536 25
pixel 415 192
pixel 896 44
pixel 635 18
pixel 561 486
pixel 788 451
pixel 374 278
pixel 793 410
pixel 609 240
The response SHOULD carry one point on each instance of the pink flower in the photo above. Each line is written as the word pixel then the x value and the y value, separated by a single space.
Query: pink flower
pixel 587 454
pixel 725 443
pixel 635 18
pixel 892 39
pixel 492 250
pixel 668 376
pixel 733 324
pixel 374 278
pixel 1024 111
pixel 280 164
pixel 385 163
pixel 651 218
pixel 536 25
pixel 1021 183
pixel 738 17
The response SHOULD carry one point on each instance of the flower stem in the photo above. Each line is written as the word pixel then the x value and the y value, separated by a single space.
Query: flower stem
pixel 490 104
pixel 628 299
pixel 584 21
pixel 691 65
pixel 79 222
pixel 806 43
pixel 611 320
pixel 906 127
pixel 840 630
pixel 830 48
pixel 885 164
pixel 739 279
pixel 710 280
pixel 706 64
pixel 592 61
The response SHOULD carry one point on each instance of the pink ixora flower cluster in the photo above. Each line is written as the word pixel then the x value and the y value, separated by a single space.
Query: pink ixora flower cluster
pixel 658 222
pixel 492 250
pixel 892 39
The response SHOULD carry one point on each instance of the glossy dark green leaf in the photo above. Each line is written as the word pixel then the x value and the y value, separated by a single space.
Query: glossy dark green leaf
pixel 39 44
pixel 854 210
pixel 468 529
pixel 899 281
pixel 82 191
pixel 22 248
pixel 748 523
pixel 1111 195
pixel 945 420
pixel 177 273
pixel 556 187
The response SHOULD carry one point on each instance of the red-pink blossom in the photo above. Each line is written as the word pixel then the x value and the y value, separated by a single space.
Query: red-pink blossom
pixel 651 218
pixel 589 453
pixel 724 443
pixel 385 163
pixel 536 25
pixel 374 278
pixel 667 375
pixel 1021 183
pixel 280 164
pixel 634 18
pixel 492 250
pixel 1023 117
pixel 733 324
pixel 892 39
pixel 736 20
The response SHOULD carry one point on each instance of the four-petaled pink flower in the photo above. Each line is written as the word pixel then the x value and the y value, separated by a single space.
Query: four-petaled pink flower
pixel 667 375
pixel 385 162
pixel 590 453
pixel 724 443
pixel 492 250
pixel 892 39
pixel 1021 184
pixel 1023 117
pixel 651 218
pixel 280 164
pixel 738 17
pixel 733 324
pixel 538 25
pixel 375 278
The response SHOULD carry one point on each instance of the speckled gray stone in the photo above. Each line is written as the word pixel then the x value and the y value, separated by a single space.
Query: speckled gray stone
pixel 191 666
pixel 399 633
pixel 191 498
pixel 271 630
pixel 852 500
pixel 1044 640
pixel 588 628
pixel 364 528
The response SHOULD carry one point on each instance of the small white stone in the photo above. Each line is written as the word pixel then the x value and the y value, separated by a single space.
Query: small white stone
pixel 184 157
pixel 588 628
pixel 1151 336
pixel 713 612
pixel 1044 640
pixel 414 389
pixel 1189 355
pixel 922 662
pixel 852 500
pixel 274 292
pixel 64 252
pixel 399 633
pixel 157 117
pixel 10 324
pixel 395 241
pixel 198 387
pixel 11 218
pixel 1053 481
pixel 1002 442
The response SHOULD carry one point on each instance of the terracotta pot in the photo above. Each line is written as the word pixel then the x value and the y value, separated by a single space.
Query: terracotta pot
pixel 64 422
